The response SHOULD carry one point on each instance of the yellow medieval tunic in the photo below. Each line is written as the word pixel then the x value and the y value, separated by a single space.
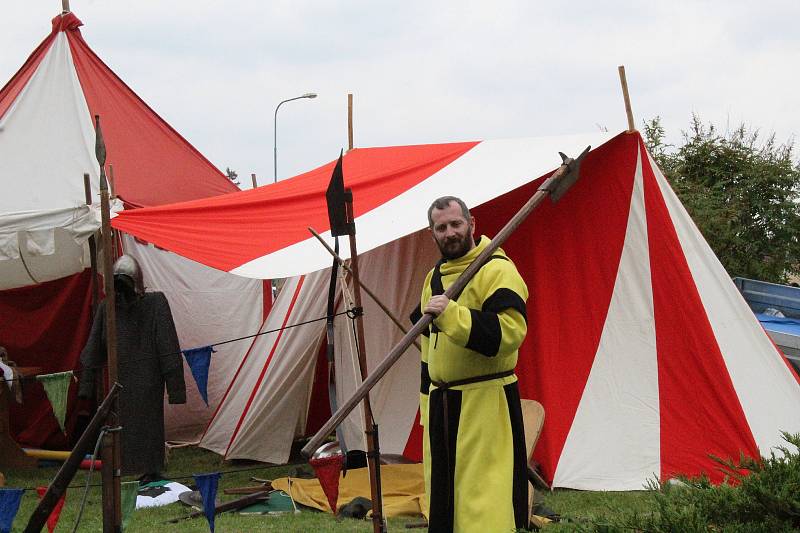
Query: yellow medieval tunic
pixel 474 444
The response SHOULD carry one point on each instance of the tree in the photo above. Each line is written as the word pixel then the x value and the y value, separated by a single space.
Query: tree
pixel 233 176
pixel 743 194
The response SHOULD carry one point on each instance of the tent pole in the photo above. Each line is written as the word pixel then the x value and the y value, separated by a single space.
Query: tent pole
pixel 253 177
pixel 112 508
pixel 371 294
pixel 624 82
pixel 87 188
pixel 555 186
pixel 65 6
pixel 371 428
pixel 349 121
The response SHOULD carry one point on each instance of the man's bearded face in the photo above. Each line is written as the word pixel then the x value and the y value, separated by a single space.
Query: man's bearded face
pixel 452 232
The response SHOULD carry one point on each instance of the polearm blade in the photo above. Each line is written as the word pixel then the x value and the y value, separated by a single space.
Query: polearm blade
pixel 558 182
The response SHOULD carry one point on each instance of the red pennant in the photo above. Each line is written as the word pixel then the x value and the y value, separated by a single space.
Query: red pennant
pixel 327 470
pixel 52 520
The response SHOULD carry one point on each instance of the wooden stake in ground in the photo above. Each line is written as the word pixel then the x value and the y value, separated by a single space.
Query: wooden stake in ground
pixel 628 111
pixel 555 187
pixel 112 496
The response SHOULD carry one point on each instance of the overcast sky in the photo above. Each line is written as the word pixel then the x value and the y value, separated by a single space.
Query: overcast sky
pixel 424 72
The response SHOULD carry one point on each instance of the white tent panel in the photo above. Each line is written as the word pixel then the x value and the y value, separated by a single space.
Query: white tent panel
pixel 44 223
pixel 618 416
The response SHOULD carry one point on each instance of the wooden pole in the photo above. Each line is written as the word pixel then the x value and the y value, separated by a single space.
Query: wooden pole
pixel 67 471
pixel 564 174
pixel 111 188
pixel 112 508
pixel 65 6
pixel 253 177
pixel 624 81
pixel 371 429
pixel 87 188
pixel 349 122
pixel 371 294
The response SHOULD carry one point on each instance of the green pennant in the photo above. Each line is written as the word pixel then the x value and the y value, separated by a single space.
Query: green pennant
pixel 56 386
pixel 129 490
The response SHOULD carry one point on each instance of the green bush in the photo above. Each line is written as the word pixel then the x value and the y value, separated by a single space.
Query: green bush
pixel 758 496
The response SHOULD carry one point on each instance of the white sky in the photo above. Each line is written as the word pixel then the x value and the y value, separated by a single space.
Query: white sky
pixel 425 72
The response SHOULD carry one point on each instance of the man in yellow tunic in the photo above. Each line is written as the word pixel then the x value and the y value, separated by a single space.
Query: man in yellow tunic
pixel 474 444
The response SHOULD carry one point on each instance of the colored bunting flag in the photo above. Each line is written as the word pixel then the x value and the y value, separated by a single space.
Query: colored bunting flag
pixel 199 360
pixel 56 386
pixel 52 520
pixel 328 470
pixel 207 485
pixel 129 492
pixel 9 505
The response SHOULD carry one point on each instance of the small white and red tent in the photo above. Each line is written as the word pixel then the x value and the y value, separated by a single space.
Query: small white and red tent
pixel 643 353
pixel 47 143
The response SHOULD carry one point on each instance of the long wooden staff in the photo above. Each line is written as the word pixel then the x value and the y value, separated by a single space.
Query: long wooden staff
pixel 111 452
pixel 555 186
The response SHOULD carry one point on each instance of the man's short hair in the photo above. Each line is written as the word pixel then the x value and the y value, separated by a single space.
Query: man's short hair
pixel 443 203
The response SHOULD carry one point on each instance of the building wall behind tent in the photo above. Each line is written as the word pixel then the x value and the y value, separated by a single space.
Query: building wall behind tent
pixel 208 306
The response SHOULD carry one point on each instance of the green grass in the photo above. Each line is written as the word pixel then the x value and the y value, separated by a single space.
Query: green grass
pixel 582 508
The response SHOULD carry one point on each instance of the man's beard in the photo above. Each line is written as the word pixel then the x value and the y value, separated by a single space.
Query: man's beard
pixel 455 247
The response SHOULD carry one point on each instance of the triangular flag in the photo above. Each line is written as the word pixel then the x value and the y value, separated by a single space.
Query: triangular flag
pixel 129 491
pixel 56 386
pixel 207 485
pixel 199 360
pixel 52 520
pixel 328 470
pixel 9 505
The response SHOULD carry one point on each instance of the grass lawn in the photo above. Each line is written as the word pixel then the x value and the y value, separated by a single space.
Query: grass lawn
pixel 583 508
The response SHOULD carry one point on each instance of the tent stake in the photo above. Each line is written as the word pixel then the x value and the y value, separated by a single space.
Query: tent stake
pixel 624 81
pixel 371 294
pixel 556 186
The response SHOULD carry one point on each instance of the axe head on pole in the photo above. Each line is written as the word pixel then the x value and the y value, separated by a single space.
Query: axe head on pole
pixel 562 185
pixel 337 196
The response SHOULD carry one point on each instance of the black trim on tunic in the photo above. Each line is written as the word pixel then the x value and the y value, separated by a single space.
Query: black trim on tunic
pixel 503 299
pixel 443 436
pixel 485 333
pixel 519 492
pixel 416 316
pixel 425 379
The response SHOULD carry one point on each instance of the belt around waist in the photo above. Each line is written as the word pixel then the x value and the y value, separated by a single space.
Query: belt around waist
pixel 444 385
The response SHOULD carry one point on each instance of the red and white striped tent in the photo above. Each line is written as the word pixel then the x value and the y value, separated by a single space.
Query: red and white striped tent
pixel 643 353
pixel 47 143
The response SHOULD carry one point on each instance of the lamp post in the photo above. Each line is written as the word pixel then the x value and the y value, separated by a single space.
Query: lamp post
pixel 275 129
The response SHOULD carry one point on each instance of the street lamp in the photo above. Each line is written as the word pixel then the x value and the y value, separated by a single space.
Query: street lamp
pixel 275 129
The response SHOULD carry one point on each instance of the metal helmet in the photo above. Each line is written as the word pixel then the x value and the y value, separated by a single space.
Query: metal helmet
pixel 328 449
pixel 129 267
